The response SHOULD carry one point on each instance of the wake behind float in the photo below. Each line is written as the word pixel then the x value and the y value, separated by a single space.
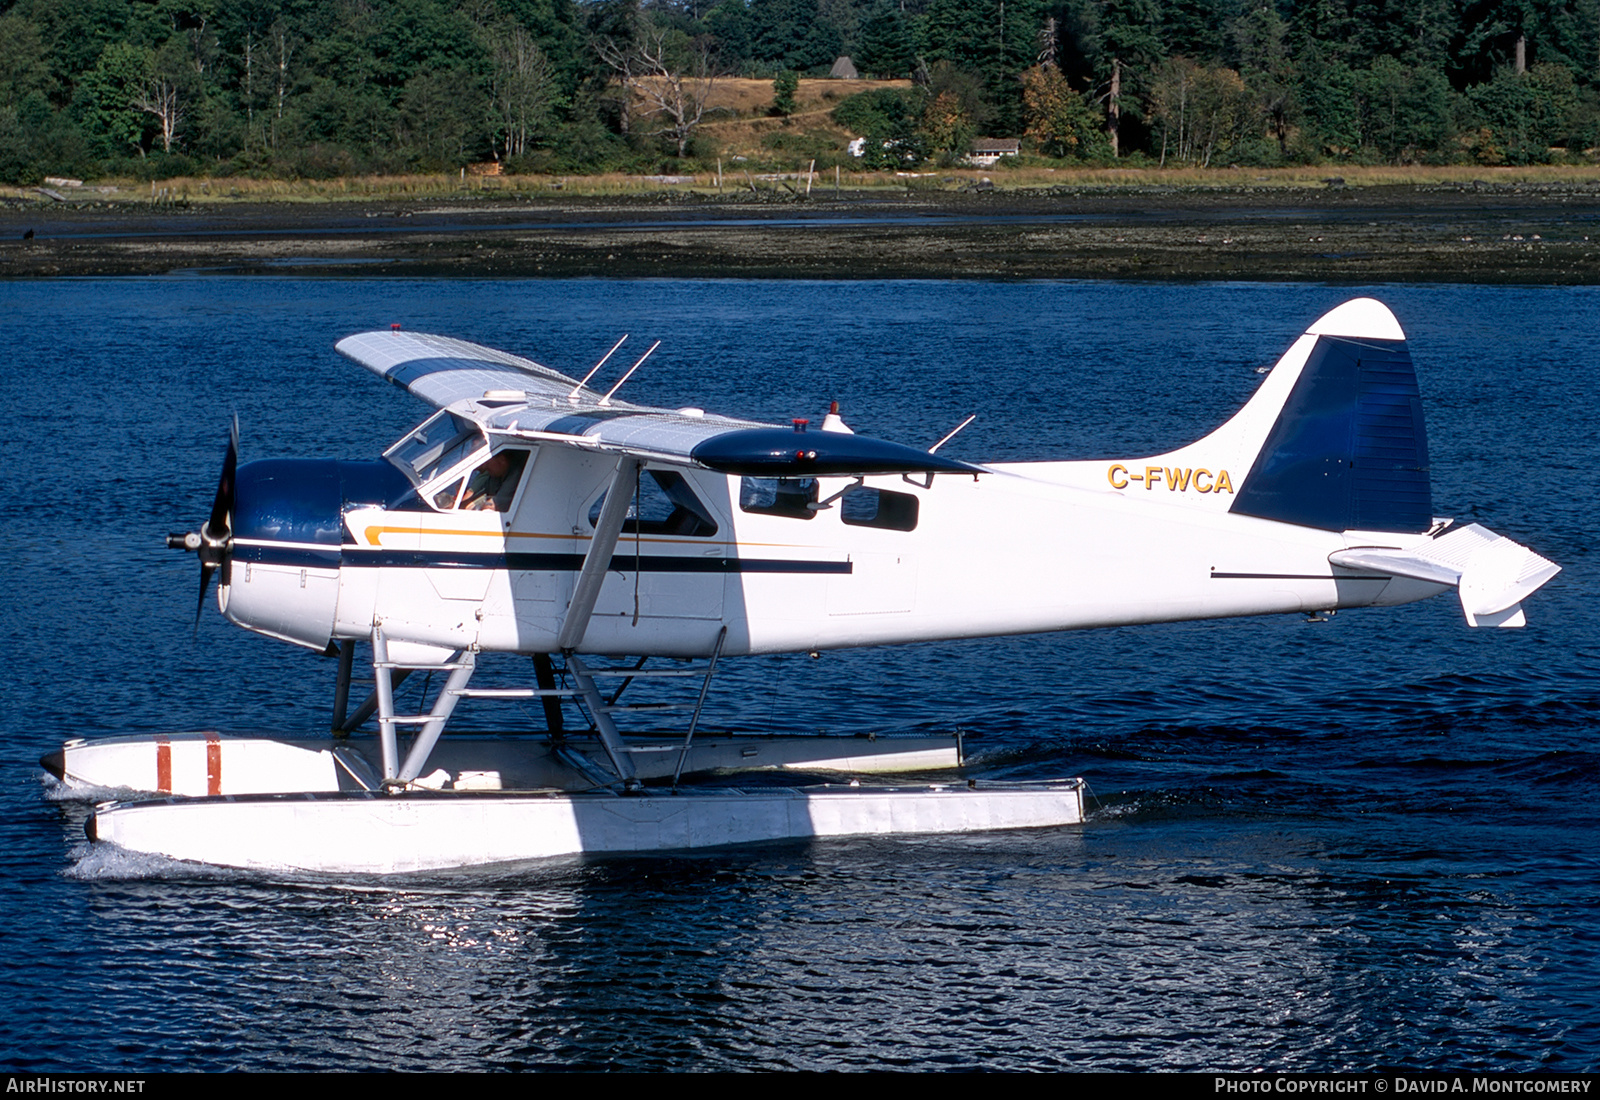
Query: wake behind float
pixel 534 515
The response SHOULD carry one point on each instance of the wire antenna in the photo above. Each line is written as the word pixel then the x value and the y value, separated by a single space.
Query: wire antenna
pixel 597 366
pixel 606 400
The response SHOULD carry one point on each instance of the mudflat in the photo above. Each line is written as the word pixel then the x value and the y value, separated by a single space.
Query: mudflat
pixel 1546 233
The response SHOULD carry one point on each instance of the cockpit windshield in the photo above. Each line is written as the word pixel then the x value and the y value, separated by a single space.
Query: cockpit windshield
pixel 438 444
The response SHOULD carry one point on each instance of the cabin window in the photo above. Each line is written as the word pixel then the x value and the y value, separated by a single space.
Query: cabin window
pixel 493 485
pixel 778 496
pixel 879 508
pixel 665 505
pixel 436 446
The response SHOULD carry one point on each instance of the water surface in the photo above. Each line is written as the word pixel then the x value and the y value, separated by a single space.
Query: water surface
pixel 1367 842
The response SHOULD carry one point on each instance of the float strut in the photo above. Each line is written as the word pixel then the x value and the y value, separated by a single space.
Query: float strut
pixel 599 710
pixel 598 558
pixel 545 673
pixel 449 696
pixel 699 704
pixel 370 707
pixel 383 693
pixel 341 690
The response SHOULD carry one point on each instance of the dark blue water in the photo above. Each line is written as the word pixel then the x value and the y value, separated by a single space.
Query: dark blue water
pixel 1368 842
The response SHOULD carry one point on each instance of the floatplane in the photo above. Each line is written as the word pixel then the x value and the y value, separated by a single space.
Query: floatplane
pixel 533 514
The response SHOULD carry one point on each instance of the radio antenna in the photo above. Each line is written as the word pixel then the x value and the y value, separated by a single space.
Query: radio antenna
pixel 606 400
pixel 596 367
pixel 953 432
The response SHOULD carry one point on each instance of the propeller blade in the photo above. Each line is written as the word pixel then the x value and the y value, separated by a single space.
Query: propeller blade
pixel 222 505
pixel 212 544
pixel 205 582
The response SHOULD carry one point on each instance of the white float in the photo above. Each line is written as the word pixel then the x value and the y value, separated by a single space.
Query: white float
pixel 370 833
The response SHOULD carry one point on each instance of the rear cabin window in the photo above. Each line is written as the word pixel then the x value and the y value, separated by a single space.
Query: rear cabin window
pixel 879 508
pixel 665 505
pixel 772 496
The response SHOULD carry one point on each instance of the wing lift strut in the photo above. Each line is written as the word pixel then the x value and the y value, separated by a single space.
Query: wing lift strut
pixel 388 674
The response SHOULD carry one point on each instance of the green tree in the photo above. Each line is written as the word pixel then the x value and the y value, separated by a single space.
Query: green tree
pixel 885 48
pixel 104 101
pixel 729 24
pixel 1523 114
pixel 523 94
pixel 1201 113
pixel 22 64
pixel 792 34
pixel 441 119
pixel 1261 39
pixel 1127 52
pixel 1405 111
pixel 1199 29
pixel 887 120
pixel 784 87
pixel 1330 108
pixel 423 36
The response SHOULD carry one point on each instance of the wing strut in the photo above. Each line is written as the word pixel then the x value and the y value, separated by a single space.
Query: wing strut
pixel 607 528
pixel 598 559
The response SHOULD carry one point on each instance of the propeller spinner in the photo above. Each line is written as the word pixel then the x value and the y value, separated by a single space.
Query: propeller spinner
pixel 213 543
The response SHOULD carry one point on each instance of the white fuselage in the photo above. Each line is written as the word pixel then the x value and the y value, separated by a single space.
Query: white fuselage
pixel 1026 547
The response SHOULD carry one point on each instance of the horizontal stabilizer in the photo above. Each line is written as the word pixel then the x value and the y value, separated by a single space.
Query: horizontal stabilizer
pixel 1491 573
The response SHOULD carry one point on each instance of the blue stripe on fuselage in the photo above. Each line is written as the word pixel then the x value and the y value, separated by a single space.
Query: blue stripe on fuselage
pixel 323 557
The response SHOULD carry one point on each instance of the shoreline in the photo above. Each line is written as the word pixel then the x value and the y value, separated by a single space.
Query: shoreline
pixel 1513 233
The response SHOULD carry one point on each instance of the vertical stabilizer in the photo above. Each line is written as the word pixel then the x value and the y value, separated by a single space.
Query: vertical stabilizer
pixel 1333 438
pixel 1349 448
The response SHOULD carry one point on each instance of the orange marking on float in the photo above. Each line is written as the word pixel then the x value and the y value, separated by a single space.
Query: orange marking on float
pixel 213 764
pixel 163 764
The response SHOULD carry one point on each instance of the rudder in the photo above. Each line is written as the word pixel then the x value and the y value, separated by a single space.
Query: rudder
pixel 1349 449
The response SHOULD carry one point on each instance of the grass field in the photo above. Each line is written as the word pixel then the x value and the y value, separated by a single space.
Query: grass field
pixel 464 187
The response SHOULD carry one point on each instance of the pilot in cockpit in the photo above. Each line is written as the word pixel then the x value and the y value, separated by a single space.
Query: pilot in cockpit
pixel 494 484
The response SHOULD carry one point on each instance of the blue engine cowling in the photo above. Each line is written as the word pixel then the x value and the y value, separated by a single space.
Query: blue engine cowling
pixel 288 531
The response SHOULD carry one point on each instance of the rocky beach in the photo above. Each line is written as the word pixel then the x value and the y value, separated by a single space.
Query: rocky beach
pixel 1530 233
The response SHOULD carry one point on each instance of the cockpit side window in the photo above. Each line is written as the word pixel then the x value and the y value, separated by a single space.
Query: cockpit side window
pixel 493 485
pixel 666 505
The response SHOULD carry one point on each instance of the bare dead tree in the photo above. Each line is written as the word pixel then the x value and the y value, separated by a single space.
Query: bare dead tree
pixel 1049 42
pixel 285 43
pixel 159 96
pixel 247 83
pixel 676 93
pixel 197 38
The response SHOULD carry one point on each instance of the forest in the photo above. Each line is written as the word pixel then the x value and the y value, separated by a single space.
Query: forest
pixel 327 88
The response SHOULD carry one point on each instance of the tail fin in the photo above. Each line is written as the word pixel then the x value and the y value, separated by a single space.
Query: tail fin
pixel 1334 437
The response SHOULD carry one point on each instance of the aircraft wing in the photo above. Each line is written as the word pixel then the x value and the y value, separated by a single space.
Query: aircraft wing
pixel 1491 573
pixel 443 371
pixel 512 396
